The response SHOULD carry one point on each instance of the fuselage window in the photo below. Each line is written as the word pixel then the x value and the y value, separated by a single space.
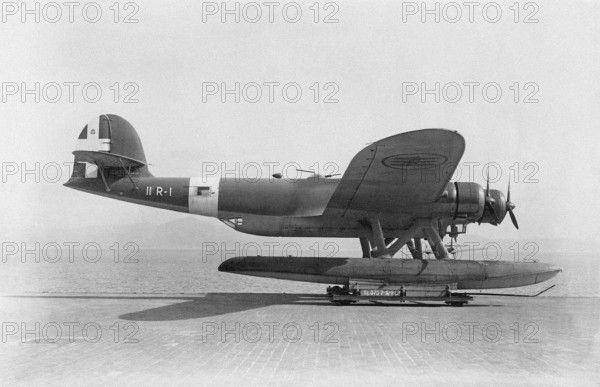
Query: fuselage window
pixel 203 191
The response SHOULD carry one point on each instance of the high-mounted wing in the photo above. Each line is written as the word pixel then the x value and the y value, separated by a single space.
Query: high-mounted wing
pixel 398 172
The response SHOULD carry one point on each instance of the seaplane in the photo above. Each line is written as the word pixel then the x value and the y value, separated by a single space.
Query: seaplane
pixel 395 193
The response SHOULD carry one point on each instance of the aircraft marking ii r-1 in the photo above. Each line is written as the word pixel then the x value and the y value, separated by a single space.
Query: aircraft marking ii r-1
pixel 395 193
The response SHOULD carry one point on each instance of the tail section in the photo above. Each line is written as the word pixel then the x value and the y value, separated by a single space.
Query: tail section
pixel 109 141
pixel 110 161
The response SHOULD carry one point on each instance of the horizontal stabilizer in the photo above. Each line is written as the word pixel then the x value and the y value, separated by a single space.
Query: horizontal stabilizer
pixel 105 159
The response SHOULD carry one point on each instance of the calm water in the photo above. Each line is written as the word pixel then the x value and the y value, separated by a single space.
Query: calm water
pixel 172 271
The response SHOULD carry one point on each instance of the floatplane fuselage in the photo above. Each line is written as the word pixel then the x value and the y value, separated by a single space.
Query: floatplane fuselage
pixel 395 193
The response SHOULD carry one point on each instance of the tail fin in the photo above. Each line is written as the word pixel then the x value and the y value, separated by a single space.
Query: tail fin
pixel 110 140
pixel 110 162
pixel 108 145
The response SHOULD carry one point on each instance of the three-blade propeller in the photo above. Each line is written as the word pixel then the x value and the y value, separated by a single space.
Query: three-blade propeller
pixel 510 206
pixel 489 205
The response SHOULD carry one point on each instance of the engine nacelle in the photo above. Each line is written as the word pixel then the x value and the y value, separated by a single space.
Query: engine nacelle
pixel 466 203
pixel 468 200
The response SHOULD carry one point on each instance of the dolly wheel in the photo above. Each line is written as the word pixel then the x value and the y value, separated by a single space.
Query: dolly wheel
pixel 343 302
pixel 334 290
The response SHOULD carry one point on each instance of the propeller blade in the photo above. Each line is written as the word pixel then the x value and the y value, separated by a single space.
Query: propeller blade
pixel 493 211
pixel 513 218
pixel 510 207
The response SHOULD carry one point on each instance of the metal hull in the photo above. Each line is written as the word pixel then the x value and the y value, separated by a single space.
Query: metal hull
pixel 465 274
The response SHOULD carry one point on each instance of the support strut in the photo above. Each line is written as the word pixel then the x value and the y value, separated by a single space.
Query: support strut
pixel 437 245
pixel 377 232
pixel 419 248
pixel 366 247
pixel 103 178
pixel 128 174
pixel 416 254
pixel 402 239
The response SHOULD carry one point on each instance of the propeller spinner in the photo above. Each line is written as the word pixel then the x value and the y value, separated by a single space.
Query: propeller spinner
pixel 489 206
pixel 496 206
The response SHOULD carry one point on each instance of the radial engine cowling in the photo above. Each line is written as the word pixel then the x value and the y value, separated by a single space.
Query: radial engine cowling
pixel 468 200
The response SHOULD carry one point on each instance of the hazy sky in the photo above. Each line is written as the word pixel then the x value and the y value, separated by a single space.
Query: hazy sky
pixel 370 58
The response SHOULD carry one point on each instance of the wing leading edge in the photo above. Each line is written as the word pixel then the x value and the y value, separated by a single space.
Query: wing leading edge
pixel 398 172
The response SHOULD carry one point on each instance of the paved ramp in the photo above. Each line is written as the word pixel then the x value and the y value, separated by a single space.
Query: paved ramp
pixel 294 339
